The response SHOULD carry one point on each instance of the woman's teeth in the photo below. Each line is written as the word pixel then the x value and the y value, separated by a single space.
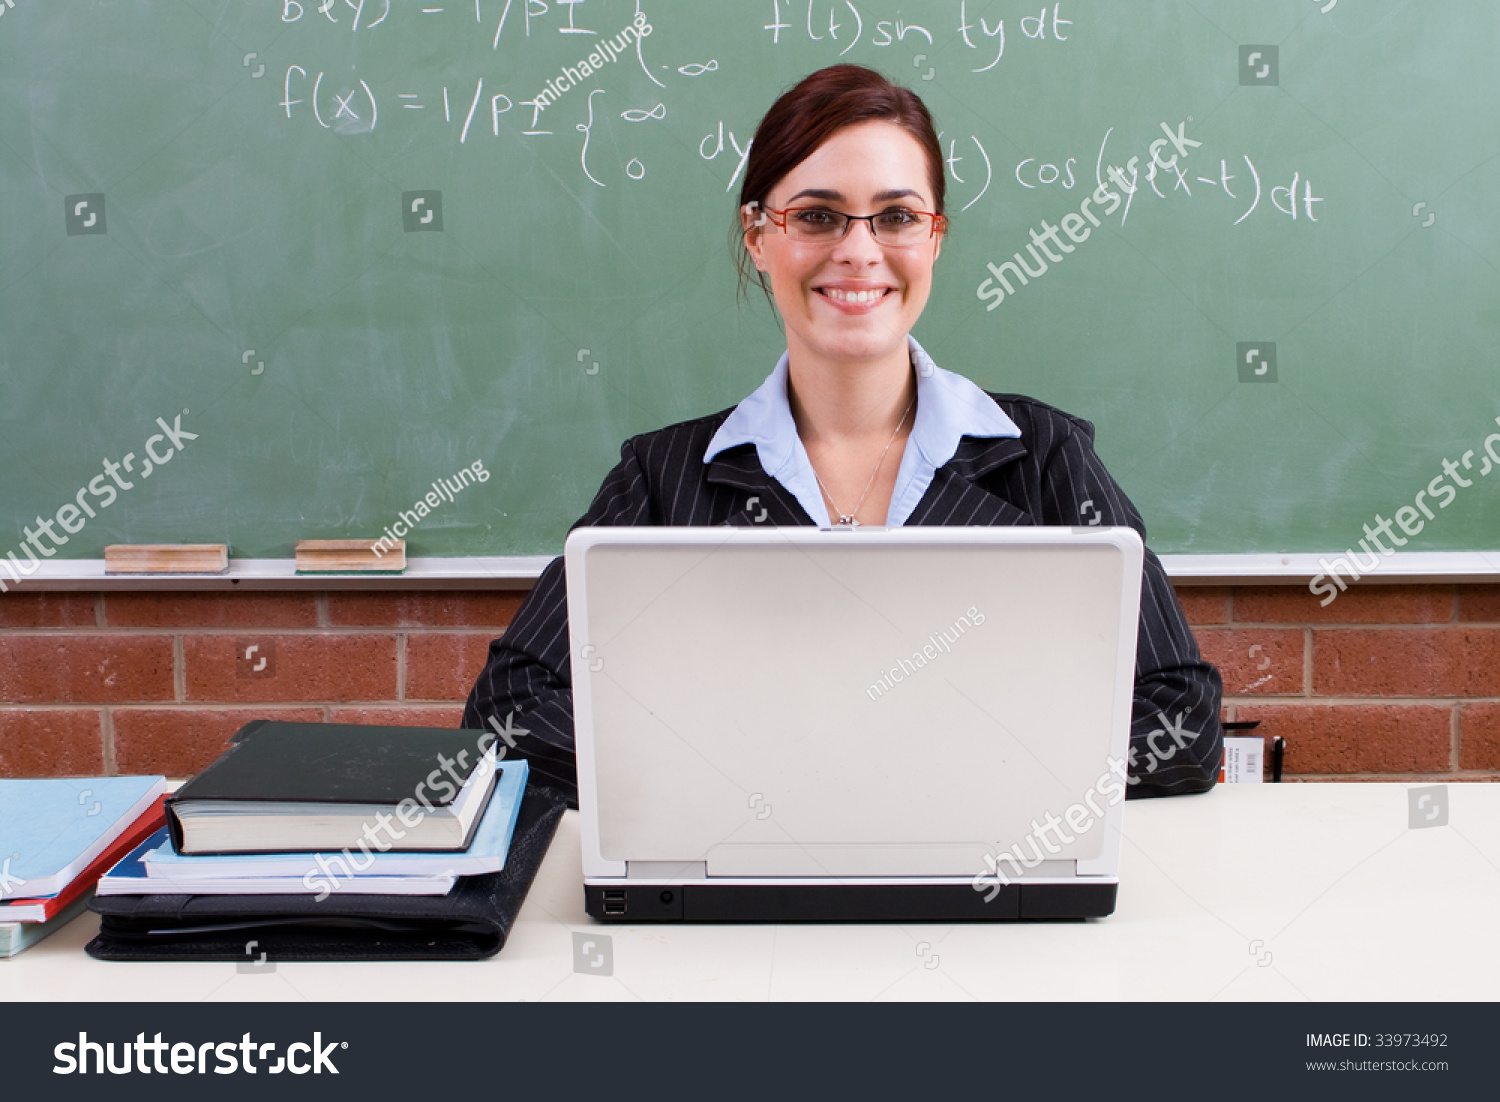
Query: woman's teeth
pixel 853 296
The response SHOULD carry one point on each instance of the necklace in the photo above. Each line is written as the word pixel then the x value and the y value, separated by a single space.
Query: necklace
pixel 847 519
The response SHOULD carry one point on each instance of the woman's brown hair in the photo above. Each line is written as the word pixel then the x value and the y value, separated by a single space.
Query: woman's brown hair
pixel 805 117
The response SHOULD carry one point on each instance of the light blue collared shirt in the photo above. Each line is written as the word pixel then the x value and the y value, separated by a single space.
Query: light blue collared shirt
pixel 949 407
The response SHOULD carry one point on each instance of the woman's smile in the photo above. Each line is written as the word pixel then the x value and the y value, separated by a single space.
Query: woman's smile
pixel 854 297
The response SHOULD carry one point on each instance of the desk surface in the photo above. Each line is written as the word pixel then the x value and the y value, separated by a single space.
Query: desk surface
pixel 1283 892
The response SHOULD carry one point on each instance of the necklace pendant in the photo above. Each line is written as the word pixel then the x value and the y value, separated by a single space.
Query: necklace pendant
pixel 847 522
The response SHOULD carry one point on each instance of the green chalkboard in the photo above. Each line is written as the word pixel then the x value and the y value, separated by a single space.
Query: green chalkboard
pixel 336 234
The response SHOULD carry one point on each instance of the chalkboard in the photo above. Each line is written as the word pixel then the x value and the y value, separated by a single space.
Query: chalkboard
pixel 341 243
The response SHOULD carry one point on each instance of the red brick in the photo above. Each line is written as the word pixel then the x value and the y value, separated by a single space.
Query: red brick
pixel 51 743
pixel 443 667
pixel 1356 738
pixel 1204 604
pixel 441 609
pixel 1479 736
pixel 84 669
pixel 255 611
pixel 306 667
pixel 1359 604
pixel 1479 602
pixel 1255 660
pixel 436 715
pixel 178 742
pixel 47 610
pixel 1407 662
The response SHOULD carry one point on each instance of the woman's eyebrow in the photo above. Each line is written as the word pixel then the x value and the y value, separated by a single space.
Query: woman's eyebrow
pixel 838 197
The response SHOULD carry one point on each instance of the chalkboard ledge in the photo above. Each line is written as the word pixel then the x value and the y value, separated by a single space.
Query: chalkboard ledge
pixel 1407 568
pixel 474 572
pixel 519 572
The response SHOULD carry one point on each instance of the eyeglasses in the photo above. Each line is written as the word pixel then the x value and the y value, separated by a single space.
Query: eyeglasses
pixel 897 227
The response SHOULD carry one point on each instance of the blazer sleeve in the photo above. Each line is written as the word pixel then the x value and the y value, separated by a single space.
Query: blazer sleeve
pixel 1176 739
pixel 528 674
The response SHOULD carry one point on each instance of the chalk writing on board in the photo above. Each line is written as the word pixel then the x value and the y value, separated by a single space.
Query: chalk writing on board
pixel 981 36
pixel 718 147
pixel 356 16
pixel 636 114
pixel 953 160
pixel 348 103
pixel 1294 199
pixel 1040 173
pixel 583 156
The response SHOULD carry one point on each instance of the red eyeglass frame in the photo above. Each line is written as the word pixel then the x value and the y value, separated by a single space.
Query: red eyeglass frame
pixel 939 222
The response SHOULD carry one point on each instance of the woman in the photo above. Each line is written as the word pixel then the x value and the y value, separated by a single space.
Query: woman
pixel 842 218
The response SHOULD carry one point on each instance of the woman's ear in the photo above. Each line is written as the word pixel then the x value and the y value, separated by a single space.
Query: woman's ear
pixel 753 219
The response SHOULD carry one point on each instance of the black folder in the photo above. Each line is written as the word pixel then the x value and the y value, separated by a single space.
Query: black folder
pixel 471 922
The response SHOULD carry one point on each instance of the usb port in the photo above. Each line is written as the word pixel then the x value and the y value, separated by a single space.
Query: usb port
pixel 614 902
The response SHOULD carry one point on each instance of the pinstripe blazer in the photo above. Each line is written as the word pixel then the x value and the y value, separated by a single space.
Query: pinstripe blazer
pixel 1044 477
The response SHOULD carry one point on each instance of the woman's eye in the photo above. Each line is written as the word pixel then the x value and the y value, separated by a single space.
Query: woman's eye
pixel 896 219
pixel 817 217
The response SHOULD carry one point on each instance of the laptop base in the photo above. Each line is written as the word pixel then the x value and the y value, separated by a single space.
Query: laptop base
pixel 700 902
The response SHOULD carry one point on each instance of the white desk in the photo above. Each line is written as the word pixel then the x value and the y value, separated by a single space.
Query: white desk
pixel 1350 903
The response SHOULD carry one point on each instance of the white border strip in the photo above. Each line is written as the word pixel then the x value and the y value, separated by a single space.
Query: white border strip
pixel 520 571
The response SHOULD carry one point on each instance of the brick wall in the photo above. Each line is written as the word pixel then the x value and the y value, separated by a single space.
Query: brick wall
pixel 1389 681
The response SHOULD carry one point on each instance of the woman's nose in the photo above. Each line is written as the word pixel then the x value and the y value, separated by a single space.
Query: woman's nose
pixel 858 245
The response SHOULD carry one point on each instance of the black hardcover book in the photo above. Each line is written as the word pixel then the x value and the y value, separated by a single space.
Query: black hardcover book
pixel 294 787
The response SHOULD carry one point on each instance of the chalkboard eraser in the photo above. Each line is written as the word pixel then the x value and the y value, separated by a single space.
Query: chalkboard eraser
pixel 351 556
pixel 166 558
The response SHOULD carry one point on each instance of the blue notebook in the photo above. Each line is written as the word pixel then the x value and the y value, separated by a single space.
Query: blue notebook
pixel 129 877
pixel 51 830
pixel 15 937
pixel 486 852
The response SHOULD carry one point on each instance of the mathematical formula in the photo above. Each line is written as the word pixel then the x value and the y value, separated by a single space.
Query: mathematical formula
pixel 354 104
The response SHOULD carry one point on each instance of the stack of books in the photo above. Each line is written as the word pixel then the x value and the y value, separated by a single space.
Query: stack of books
pixel 330 841
pixel 59 837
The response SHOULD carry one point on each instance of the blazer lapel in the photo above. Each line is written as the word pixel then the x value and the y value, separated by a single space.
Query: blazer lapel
pixel 761 499
pixel 956 497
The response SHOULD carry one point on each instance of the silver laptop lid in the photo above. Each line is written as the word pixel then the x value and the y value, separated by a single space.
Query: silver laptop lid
pixel 802 702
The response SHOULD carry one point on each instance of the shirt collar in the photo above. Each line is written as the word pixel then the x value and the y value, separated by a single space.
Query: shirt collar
pixel 949 407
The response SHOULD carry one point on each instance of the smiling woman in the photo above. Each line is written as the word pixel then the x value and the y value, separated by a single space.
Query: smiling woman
pixel 841 221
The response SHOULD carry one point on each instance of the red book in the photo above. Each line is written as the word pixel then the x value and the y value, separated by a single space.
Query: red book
pixel 40 910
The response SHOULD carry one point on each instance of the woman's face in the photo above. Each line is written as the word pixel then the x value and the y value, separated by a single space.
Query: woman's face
pixel 851 299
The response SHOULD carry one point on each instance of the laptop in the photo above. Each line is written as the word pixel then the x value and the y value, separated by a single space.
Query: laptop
pixel 800 724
